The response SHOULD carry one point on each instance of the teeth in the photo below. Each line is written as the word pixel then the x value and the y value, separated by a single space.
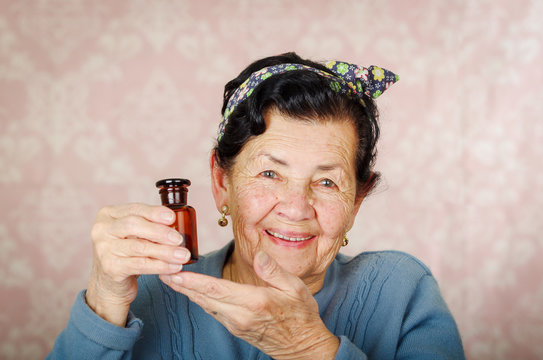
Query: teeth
pixel 288 238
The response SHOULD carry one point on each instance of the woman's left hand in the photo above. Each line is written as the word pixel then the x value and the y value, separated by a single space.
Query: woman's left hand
pixel 281 319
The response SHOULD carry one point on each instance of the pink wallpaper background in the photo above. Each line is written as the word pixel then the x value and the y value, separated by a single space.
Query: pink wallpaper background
pixel 99 99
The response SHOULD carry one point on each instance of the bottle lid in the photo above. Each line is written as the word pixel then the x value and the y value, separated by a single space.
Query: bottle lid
pixel 172 182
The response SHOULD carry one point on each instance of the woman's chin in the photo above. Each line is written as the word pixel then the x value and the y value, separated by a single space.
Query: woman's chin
pixel 292 256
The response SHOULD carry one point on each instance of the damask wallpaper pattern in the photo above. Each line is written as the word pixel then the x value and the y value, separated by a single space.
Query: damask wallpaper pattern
pixel 99 99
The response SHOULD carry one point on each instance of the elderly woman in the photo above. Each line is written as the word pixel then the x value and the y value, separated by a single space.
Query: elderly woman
pixel 292 165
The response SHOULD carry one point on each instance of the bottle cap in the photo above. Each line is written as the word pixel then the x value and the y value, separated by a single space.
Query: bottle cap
pixel 173 182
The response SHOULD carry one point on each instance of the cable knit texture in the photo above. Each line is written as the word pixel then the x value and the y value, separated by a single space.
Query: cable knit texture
pixel 381 305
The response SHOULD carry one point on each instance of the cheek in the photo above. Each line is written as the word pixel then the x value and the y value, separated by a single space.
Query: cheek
pixel 252 203
pixel 334 218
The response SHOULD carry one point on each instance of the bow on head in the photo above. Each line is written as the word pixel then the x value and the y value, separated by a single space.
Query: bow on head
pixel 349 79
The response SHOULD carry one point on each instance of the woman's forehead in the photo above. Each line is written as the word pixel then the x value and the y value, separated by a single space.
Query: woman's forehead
pixel 286 140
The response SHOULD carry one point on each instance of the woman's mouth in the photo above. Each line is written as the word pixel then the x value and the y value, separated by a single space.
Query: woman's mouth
pixel 284 239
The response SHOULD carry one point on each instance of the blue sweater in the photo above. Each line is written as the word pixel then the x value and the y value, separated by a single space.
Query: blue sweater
pixel 381 305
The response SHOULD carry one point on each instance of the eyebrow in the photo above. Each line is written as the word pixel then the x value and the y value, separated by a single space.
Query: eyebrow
pixel 327 167
pixel 274 159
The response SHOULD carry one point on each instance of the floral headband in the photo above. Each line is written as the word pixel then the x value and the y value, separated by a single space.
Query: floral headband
pixel 349 79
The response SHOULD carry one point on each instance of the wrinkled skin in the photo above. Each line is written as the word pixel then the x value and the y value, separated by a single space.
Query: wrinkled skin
pixel 130 240
pixel 294 182
pixel 291 196
pixel 280 318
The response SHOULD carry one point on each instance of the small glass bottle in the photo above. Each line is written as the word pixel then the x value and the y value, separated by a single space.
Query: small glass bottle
pixel 173 194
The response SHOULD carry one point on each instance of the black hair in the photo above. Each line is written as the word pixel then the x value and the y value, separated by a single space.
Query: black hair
pixel 303 95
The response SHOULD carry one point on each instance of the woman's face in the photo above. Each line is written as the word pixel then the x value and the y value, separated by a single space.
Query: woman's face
pixel 292 193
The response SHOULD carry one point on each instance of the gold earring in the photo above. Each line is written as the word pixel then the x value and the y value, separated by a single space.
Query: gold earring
pixel 345 241
pixel 223 221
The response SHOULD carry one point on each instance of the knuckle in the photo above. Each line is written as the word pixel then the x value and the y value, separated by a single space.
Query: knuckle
pixel 96 231
pixel 131 223
pixel 200 299
pixel 299 287
pixel 272 269
pixel 258 306
pixel 212 289
pixel 130 220
pixel 140 248
pixel 133 208
pixel 140 264
pixel 104 211
pixel 243 325
pixel 136 208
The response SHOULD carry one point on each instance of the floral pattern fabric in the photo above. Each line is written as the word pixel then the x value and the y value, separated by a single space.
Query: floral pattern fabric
pixel 349 79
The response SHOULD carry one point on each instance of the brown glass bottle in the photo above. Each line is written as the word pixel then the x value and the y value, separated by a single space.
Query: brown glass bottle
pixel 173 194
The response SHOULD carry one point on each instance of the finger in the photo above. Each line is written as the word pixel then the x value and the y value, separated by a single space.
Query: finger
pixel 134 247
pixel 136 226
pixel 122 267
pixel 240 314
pixel 206 285
pixel 176 283
pixel 159 214
pixel 214 296
pixel 272 273
pixel 214 288
pixel 228 314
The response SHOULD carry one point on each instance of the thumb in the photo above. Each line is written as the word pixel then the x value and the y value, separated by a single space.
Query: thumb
pixel 271 272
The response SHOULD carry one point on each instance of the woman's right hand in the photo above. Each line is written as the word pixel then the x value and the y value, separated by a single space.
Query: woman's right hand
pixel 130 240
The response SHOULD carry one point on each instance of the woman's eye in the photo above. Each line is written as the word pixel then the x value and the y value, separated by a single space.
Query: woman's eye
pixel 269 174
pixel 327 183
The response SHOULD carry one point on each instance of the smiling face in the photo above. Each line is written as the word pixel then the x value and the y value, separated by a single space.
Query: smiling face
pixel 292 194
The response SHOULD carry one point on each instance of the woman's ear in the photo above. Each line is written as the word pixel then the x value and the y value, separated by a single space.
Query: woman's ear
pixel 357 202
pixel 219 183
pixel 361 195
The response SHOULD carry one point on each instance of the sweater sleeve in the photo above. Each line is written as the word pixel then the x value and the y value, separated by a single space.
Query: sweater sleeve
pixel 429 330
pixel 88 336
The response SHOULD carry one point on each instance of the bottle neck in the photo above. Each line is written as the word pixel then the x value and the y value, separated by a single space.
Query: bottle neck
pixel 176 196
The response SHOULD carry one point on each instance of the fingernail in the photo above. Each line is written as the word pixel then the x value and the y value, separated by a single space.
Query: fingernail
pixel 166 215
pixel 263 258
pixel 175 267
pixel 175 237
pixel 177 279
pixel 182 254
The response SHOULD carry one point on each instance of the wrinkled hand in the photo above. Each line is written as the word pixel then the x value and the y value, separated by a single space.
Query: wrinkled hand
pixel 281 319
pixel 130 240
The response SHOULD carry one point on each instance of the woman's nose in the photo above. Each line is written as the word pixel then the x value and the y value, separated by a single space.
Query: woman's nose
pixel 296 202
